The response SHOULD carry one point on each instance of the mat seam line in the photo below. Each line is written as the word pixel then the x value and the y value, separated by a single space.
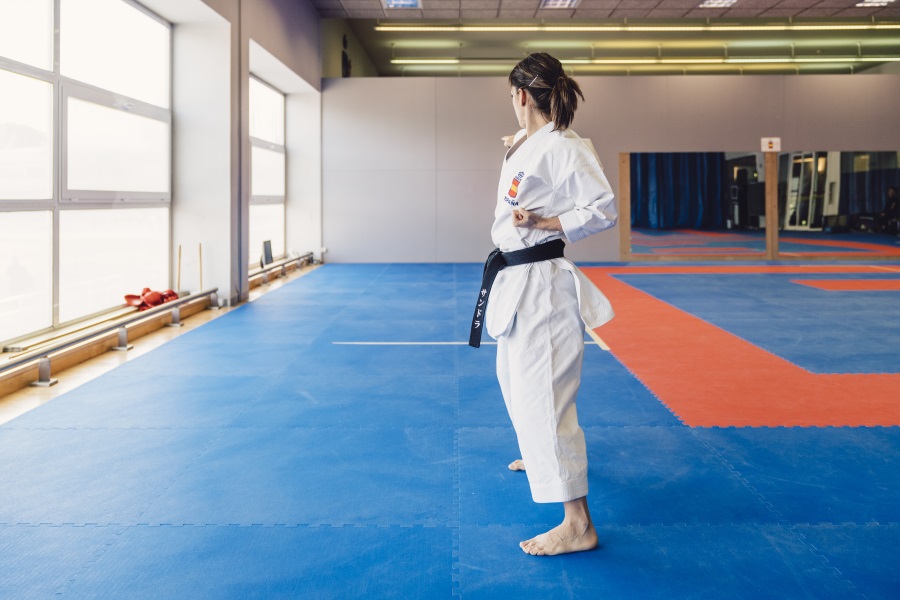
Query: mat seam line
pixel 780 518
pixel 100 553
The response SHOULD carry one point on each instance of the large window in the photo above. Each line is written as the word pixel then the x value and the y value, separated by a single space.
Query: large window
pixel 114 150
pixel 26 32
pixel 107 253
pixel 26 272
pixel 267 169
pixel 26 138
pixel 84 159
pixel 113 45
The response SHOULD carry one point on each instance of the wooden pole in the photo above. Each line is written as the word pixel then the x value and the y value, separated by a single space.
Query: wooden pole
pixel 771 205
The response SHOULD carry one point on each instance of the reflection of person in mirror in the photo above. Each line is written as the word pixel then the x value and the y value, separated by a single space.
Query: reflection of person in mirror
pixel 552 190
pixel 888 220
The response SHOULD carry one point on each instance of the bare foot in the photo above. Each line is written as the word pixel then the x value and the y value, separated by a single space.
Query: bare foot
pixel 517 465
pixel 562 539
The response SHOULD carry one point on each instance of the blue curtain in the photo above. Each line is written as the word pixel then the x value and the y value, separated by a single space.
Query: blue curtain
pixel 678 190
pixel 865 193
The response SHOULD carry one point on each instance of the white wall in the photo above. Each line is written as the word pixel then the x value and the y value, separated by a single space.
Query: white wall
pixel 410 166
pixel 202 190
pixel 289 31
pixel 216 43
pixel 283 37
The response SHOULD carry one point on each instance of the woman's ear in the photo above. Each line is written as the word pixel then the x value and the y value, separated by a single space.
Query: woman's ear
pixel 523 97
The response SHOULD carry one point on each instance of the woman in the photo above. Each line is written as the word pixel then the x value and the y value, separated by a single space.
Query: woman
pixel 552 189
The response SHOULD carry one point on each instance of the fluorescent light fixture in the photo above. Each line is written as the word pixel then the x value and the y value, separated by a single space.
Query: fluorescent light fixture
pixel 630 28
pixel 873 3
pixel 729 60
pixel 402 4
pixel 716 4
pixel 558 4
pixel 660 61
pixel 425 61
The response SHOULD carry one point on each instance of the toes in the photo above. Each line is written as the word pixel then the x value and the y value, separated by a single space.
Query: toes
pixel 531 547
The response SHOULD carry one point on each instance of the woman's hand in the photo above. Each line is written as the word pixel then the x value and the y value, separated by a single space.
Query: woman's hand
pixel 508 140
pixel 528 220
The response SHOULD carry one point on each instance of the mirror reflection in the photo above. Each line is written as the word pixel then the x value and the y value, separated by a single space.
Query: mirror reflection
pixel 830 204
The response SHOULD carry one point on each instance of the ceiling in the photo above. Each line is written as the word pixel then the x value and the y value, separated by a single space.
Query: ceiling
pixel 624 37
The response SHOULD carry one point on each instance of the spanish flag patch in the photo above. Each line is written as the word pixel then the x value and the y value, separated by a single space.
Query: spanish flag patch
pixel 514 188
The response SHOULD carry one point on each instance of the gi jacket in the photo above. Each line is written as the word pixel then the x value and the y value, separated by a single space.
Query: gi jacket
pixel 552 174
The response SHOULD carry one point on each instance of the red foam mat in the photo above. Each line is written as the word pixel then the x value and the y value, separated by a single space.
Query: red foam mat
pixel 852 285
pixel 838 244
pixel 709 377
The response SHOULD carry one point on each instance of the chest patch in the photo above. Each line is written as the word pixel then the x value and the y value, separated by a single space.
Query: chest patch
pixel 514 190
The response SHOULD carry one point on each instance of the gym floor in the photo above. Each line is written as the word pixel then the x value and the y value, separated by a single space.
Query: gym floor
pixel 747 243
pixel 335 438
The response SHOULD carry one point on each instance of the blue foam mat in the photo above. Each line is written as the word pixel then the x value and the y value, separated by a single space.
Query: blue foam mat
pixel 174 401
pixel 91 475
pixel 316 476
pixel 817 475
pixel 864 554
pixel 699 561
pixel 40 561
pixel 236 563
pixel 358 399
pixel 391 463
pixel 681 480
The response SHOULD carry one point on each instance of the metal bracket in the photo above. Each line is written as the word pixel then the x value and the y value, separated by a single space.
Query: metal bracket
pixel 123 346
pixel 176 318
pixel 44 379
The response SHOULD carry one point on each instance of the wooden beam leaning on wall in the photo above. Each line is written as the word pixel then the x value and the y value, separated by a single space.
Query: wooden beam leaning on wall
pixel 771 205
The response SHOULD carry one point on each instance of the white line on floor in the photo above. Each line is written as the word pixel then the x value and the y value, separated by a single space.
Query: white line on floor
pixel 597 342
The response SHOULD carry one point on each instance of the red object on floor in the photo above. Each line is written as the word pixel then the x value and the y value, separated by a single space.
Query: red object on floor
pixel 149 299
pixel 709 377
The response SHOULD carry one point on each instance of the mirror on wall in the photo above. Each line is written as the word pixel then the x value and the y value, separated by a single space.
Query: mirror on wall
pixel 711 204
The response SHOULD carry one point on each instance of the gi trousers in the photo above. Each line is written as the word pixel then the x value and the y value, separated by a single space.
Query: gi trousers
pixel 539 370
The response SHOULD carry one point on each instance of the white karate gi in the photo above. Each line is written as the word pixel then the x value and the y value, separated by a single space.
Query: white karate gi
pixel 537 312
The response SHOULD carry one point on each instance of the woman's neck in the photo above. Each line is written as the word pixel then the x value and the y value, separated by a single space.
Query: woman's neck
pixel 534 122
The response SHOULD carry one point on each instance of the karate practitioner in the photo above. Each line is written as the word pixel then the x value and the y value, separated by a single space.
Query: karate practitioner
pixel 552 189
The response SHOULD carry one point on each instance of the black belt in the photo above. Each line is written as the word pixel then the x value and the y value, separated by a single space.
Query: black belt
pixel 496 262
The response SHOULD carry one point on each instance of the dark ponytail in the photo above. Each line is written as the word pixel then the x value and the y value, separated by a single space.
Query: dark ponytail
pixel 555 94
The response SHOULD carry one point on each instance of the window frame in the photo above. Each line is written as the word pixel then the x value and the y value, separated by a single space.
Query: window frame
pixel 57 16
pixel 79 91
pixel 280 149
pixel 267 145
pixel 17 68
pixel 64 199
